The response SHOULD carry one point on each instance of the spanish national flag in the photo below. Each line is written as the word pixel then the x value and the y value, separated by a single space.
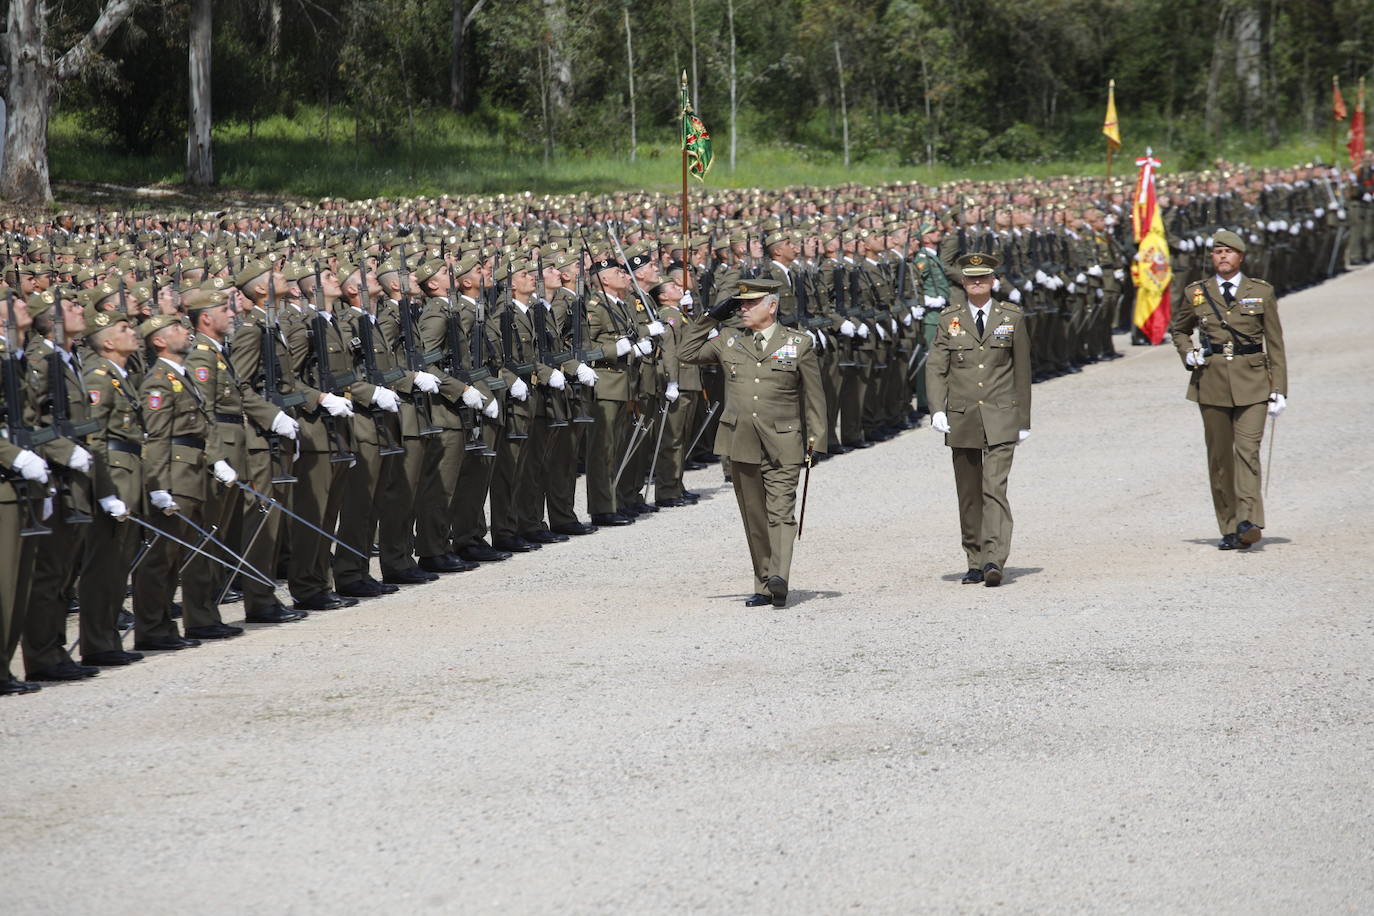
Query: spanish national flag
pixel 1110 128
pixel 1150 271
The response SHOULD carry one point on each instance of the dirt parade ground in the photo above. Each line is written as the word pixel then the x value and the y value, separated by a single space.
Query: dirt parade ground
pixel 1135 722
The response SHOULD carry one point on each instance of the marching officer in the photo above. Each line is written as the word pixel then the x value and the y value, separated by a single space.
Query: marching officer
pixel 978 379
pixel 1239 373
pixel 774 418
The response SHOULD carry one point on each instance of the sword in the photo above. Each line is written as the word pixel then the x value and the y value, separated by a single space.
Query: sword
pixel 711 412
pixel 806 485
pixel 637 436
pixel 247 549
pixel 658 444
pixel 276 504
pixel 257 574
pixel 159 533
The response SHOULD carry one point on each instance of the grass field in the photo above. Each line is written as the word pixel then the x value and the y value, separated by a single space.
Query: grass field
pixel 293 157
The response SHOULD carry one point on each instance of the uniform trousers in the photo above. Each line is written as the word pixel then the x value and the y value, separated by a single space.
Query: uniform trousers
pixel 980 479
pixel 1233 437
pixel 767 497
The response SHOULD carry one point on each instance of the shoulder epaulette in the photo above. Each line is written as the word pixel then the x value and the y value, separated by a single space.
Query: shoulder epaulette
pixel 205 347
pixel 951 307
pixel 99 372
pixel 1012 306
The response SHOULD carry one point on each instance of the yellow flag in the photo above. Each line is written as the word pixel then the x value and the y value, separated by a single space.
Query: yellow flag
pixel 1109 126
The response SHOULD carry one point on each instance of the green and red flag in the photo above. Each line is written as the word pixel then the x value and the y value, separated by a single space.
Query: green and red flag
pixel 696 140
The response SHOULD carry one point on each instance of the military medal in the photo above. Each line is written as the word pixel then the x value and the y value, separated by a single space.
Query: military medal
pixel 176 386
pixel 954 326
pixel 1198 297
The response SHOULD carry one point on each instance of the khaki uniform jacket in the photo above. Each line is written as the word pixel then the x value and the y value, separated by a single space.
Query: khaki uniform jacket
pixel 58 450
pixel 389 330
pixel 982 384
pixel 365 416
pixel 209 371
pixel 773 401
pixel 526 350
pixel 115 405
pixel 433 337
pixel 687 376
pixel 314 434
pixel 245 356
pixel 178 428
pixel 1254 314
pixel 609 322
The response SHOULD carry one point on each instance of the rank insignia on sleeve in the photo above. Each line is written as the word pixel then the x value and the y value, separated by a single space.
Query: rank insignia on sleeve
pixel 1199 296
pixel 202 374
pixel 95 397
pixel 154 400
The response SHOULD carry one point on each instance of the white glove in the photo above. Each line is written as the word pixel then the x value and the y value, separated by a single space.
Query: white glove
pixel 1294 229
pixel 1081 278
pixel 939 422
pixel 586 374
pixel 224 473
pixel 940 302
pixel 31 466
pixel 655 328
pixel 893 322
pixel 1022 435
pixel 1319 212
pixel 161 499
pixel 472 397
pixel 1119 274
pixel 622 346
pixel 862 331
pixel 1072 289
pixel 1028 286
pixel 492 410
pixel 114 506
pixel 996 284
pixel 1043 279
pixel 1095 270
pixel 847 328
pixel 687 299
pixel 427 383
pixel 557 381
pixel 1277 404
pixel 1015 295
pixel 1367 197
pixel 645 346
pixel 337 406
pixel 1194 358
pixel 906 319
pixel 386 399
pixel 1307 223
pixel 1254 239
pixel 47 509
pixel 80 460
pixel 519 390
pixel 918 312
pixel 672 393
pixel 1340 214
pixel 714 333
pixel 283 425
pixel 931 302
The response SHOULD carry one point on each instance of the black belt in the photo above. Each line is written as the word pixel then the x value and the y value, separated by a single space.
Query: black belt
pixel 1239 349
pixel 233 418
pixel 189 442
pixel 120 445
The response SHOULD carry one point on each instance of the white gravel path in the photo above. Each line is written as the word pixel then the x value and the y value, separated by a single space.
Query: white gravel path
pixel 1136 722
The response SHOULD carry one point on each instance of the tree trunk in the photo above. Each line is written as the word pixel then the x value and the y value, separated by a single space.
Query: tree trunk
pixel 1249 35
pixel 844 101
pixel 1210 115
pixel 925 94
pixel 734 82
pixel 630 57
pixel 456 62
pixel 200 162
pixel 560 64
pixel 28 97
pixel 696 96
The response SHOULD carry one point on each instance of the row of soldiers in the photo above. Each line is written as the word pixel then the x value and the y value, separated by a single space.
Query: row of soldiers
pixel 223 400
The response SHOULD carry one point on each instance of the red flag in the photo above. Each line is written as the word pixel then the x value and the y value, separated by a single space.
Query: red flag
pixel 1337 103
pixel 1356 144
pixel 1151 270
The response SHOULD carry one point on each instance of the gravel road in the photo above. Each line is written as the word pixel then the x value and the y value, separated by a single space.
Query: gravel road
pixel 1136 722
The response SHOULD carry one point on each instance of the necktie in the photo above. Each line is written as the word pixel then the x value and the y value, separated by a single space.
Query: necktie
pixel 980 323
pixel 758 341
pixel 1227 294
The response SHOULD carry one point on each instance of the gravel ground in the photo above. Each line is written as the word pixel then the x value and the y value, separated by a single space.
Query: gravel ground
pixel 1134 722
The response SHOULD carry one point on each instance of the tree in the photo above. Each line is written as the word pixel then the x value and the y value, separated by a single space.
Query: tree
pixel 31 79
pixel 200 163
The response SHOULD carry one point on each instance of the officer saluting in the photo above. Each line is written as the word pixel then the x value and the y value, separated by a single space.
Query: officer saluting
pixel 978 379
pixel 774 417
pixel 1239 372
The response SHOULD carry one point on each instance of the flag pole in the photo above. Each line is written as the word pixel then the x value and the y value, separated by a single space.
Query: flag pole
pixel 1335 90
pixel 686 214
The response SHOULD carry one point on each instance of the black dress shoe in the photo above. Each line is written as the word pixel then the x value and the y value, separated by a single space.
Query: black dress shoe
pixel 644 508
pixel 515 544
pixel 839 449
pixel 381 587
pixel 231 596
pixel 691 497
pixel 214 631
pixel 323 601
pixel 757 600
pixel 481 553
pixel 672 502
pixel 276 614
pixel 359 588
pixel 1249 533
pixel 630 511
pixel 443 563
pixel 574 529
pixel 972 577
pixel 694 466
pixel 545 536
pixel 175 610
pixel 14 687
pixel 992 575
pixel 165 643
pixel 115 658
pixel 413 576
pixel 864 443
pixel 67 671
pixel 610 520
pixel 777 587
pixel 125 620
pixel 1229 542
